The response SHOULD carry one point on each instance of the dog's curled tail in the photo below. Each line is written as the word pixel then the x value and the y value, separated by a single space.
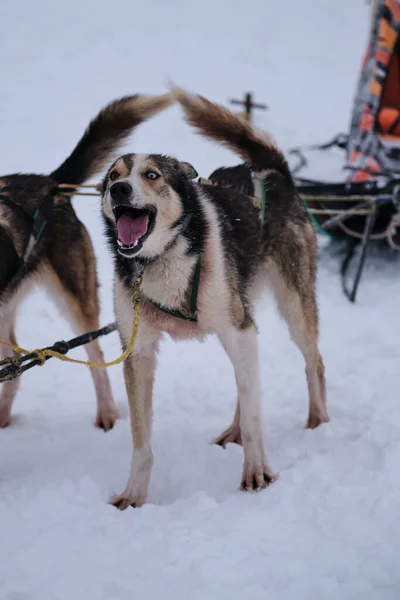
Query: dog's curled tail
pixel 105 134
pixel 218 123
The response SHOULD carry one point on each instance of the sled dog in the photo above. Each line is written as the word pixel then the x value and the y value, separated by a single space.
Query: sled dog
pixel 62 257
pixel 205 254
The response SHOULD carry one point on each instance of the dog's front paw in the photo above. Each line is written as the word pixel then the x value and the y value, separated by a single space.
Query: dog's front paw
pixel 256 478
pixel 126 499
pixel 107 417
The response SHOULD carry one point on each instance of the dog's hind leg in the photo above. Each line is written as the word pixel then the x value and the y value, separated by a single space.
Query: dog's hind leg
pixel 8 389
pixel 9 264
pixel 72 282
pixel 84 316
pixel 297 305
pixel 241 347
pixel 232 435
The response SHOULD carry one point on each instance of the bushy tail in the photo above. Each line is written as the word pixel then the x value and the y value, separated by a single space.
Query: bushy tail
pixel 218 123
pixel 105 133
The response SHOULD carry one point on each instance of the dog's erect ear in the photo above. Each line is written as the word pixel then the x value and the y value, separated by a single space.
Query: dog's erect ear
pixel 189 170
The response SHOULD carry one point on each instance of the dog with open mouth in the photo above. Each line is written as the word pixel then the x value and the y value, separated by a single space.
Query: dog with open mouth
pixel 206 253
pixel 63 259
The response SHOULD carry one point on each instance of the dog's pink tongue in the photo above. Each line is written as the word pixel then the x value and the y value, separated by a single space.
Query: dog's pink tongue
pixel 131 230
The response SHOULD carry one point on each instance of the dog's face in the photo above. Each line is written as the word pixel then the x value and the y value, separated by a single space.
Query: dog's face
pixel 143 196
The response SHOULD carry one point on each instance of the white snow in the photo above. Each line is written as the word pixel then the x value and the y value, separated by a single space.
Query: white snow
pixel 329 527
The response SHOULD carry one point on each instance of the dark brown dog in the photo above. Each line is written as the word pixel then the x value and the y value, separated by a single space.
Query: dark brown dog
pixel 63 258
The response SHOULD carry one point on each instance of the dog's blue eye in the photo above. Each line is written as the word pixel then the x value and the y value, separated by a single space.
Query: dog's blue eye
pixel 152 175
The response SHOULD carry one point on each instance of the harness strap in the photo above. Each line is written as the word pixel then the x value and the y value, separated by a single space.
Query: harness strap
pixel 38 221
pixel 190 313
pixel 41 217
pixel 259 191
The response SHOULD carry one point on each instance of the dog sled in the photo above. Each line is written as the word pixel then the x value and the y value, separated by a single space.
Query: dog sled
pixel 365 207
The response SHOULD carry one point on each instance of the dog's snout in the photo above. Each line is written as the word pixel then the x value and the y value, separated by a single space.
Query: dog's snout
pixel 121 192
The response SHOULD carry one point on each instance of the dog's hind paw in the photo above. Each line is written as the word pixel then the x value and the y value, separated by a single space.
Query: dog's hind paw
pixel 231 435
pixel 125 500
pixel 5 417
pixel 316 419
pixel 106 418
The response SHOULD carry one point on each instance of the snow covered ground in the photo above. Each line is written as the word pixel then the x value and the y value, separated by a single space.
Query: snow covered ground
pixel 329 527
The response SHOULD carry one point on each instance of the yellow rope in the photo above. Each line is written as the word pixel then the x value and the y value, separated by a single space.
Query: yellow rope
pixel 331 211
pixel 332 198
pixel 97 194
pixel 64 186
pixel 43 354
pixel 72 189
pixel 336 211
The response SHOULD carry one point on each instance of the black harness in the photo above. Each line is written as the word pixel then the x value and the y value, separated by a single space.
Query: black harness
pixel 38 221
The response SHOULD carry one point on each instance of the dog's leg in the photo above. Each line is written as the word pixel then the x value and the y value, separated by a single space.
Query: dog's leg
pixel 107 412
pixel 232 435
pixel 242 348
pixel 299 309
pixel 74 287
pixel 8 389
pixel 139 377
pixel 83 312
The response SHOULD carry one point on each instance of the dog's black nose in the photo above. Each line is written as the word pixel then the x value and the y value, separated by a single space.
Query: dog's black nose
pixel 121 192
